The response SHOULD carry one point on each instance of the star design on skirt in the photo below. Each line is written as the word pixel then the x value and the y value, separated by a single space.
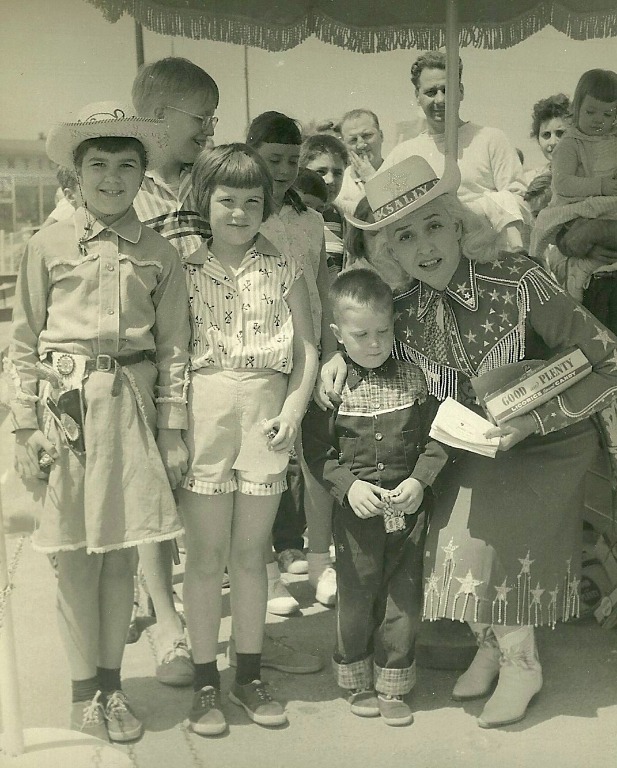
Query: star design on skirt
pixel 537 594
pixel 526 563
pixel 450 550
pixel 432 583
pixel 468 584
pixel 502 592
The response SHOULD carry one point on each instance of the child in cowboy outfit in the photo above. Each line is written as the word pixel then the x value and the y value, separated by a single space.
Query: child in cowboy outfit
pixel 374 455
pixel 99 355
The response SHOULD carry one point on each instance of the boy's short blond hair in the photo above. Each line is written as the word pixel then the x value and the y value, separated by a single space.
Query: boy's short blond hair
pixel 161 81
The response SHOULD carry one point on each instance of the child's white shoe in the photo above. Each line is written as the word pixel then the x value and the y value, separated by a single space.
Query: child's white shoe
pixel 280 601
pixel 325 592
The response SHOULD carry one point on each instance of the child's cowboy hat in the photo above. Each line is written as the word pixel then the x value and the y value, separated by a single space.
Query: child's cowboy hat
pixel 402 188
pixel 106 118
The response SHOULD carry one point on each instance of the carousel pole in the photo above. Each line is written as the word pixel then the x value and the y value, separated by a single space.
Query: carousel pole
pixel 452 79
pixel 10 702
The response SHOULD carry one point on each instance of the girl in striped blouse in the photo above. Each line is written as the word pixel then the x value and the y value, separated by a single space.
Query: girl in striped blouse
pixel 253 366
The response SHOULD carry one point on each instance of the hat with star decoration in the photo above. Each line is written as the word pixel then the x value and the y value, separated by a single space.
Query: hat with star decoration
pixel 404 187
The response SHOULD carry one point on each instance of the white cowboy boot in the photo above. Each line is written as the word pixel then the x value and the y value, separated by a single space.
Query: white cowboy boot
pixel 520 678
pixel 476 682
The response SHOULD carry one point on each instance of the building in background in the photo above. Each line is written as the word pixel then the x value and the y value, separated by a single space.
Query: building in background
pixel 27 184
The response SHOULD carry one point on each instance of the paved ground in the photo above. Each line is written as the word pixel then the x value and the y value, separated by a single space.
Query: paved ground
pixel 572 725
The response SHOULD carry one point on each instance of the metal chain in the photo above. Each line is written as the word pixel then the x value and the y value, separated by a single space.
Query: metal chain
pixel 4 594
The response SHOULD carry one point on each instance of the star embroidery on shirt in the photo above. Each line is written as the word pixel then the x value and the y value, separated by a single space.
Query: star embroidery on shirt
pixel 494 294
pixel 553 593
pixel 468 584
pixel 463 290
pixel 502 592
pixel 410 311
pixel 481 292
pixel 582 311
pixel 508 297
pixel 496 264
pixel 470 336
pixel 504 316
pixel 488 327
pixel 513 269
pixel 603 336
pixel 573 585
pixel 519 259
pixel 612 361
pixel 526 563
pixel 396 183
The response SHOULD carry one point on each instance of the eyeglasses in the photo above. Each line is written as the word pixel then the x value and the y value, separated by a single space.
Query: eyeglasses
pixel 207 121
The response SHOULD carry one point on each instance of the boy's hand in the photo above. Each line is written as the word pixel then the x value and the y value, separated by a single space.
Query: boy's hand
pixel 365 499
pixel 281 433
pixel 174 453
pixel 513 431
pixel 330 382
pixel 407 496
pixel 28 444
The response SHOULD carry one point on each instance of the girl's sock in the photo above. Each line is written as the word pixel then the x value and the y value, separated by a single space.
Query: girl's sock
pixel 249 668
pixel 109 679
pixel 84 690
pixel 207 674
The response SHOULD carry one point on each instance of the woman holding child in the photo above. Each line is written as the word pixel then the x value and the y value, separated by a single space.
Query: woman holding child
pixel 501 547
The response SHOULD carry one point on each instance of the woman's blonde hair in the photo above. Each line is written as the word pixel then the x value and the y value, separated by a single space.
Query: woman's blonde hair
pixel 479 241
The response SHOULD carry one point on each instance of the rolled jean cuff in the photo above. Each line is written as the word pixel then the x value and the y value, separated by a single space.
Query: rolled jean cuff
pixel 394 682
pixel 355 676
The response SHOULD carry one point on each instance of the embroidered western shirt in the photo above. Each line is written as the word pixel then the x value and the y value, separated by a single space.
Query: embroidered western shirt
pixel 242 321
pixel 379 432
pixel 492 313
pixel 112 290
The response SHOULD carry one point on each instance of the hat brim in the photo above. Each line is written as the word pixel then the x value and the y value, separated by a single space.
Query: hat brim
pixel 63 139
pixel 449 182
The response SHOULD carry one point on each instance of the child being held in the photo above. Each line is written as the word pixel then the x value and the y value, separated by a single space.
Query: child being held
pixel 374 455
pixel 582 215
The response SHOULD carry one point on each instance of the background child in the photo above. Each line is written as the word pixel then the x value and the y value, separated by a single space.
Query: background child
pixel 252 361
pixel 67 197
pixel 328 156
pixel 363 453
pixel 299 231
pixel 583 210
pixel 99 355
pixel 312 189
pixel 185 97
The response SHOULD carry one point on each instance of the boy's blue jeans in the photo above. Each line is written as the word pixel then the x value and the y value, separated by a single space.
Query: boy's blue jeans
pixel 379 601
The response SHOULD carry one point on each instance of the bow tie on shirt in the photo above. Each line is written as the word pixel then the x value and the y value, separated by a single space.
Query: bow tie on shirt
pixel 356 373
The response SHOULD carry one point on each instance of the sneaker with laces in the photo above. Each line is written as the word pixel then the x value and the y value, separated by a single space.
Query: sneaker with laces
pixel 175 666
pixel 394 711
pixel 292 561
pixel 276 654
pixel 206 716
pixel 325 593
pixel 256 701
pixel 89 718
pixel 280 602
pixel 122 725
pixel 363 702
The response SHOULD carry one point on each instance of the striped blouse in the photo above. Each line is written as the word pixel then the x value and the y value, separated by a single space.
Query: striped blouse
pixel 241 321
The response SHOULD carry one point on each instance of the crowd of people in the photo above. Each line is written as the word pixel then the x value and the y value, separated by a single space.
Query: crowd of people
pixel 246 344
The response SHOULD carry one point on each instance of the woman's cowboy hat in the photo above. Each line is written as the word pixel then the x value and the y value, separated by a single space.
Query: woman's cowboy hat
pixel 106 118
pixel 402 188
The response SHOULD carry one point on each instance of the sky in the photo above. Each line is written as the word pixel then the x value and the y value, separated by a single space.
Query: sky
pixel 57 55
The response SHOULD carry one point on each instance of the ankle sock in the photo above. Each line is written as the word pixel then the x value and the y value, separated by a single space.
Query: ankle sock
pixel 84 690
pixel 109 679
pixel 249 668
pixel 317 564
pixel 207 674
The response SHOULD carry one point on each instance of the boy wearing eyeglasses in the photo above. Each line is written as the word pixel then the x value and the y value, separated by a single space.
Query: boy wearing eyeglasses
pixel 185 97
